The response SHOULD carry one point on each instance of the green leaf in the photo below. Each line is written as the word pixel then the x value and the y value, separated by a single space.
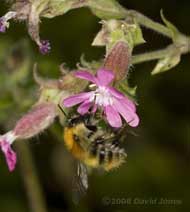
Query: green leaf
pixel 113 31
pixel 166 63
pixel 128 31
pixel 100 39
pixel 137 35
pixel 173 30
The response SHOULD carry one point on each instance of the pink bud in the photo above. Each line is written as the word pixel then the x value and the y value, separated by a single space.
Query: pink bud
pixel 34 122
pixel 118 60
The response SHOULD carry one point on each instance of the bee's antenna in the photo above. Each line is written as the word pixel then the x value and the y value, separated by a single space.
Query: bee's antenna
pixel 62 111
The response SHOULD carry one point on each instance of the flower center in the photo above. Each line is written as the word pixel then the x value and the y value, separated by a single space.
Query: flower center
pixel 102 96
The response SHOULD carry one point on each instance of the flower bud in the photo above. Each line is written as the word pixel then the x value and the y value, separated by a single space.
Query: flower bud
pixel 44 47
pixel 118 60
pixel 34 122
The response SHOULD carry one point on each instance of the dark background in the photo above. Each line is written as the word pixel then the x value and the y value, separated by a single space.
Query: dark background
pixel 158 158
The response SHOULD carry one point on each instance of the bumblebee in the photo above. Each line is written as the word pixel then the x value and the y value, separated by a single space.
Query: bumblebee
pixel 92 146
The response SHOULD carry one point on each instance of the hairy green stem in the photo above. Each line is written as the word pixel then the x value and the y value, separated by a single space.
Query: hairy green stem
pixel 147 22
pixel 31 181
pixel 159 54
pixel 153 55
pixel 115 10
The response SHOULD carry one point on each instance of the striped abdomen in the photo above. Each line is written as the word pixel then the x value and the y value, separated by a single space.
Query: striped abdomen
pixel 105 155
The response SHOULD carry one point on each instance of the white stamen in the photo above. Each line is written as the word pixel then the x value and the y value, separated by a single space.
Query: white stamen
pixel 101 96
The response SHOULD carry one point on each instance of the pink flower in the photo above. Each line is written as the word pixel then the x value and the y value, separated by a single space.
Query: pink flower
pixel 5 145
pixel 44 47
pixel 113 102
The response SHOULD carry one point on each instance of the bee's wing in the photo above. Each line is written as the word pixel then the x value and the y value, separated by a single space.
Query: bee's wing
pixel 80 183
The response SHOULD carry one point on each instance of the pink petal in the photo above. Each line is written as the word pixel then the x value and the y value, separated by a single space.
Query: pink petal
pixel 84 107
pixel 129 103
pixel 10 155
pixel 104 77
pixel 130 116
pixel 113 117
pixel 94 109
pixel 122 98
pixel 116 93
pixel 85 75
pixel 76 99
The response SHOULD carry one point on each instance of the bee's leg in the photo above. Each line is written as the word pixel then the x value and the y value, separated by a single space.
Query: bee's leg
pixel 87 118
pixel 92 128
pixel 101 153
pixel 115 142
pixel 95 146
pixel 109 156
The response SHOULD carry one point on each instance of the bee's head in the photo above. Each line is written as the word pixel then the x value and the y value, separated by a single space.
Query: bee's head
pixel 85 119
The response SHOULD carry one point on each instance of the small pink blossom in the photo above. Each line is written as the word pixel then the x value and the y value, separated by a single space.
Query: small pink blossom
pixel 5 145
pixel 44 47
pixel 113 102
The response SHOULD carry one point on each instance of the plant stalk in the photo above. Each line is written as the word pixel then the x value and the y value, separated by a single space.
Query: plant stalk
pixel 31 180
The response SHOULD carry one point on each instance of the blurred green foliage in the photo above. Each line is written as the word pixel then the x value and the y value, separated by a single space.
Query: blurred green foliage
pixel 158 158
